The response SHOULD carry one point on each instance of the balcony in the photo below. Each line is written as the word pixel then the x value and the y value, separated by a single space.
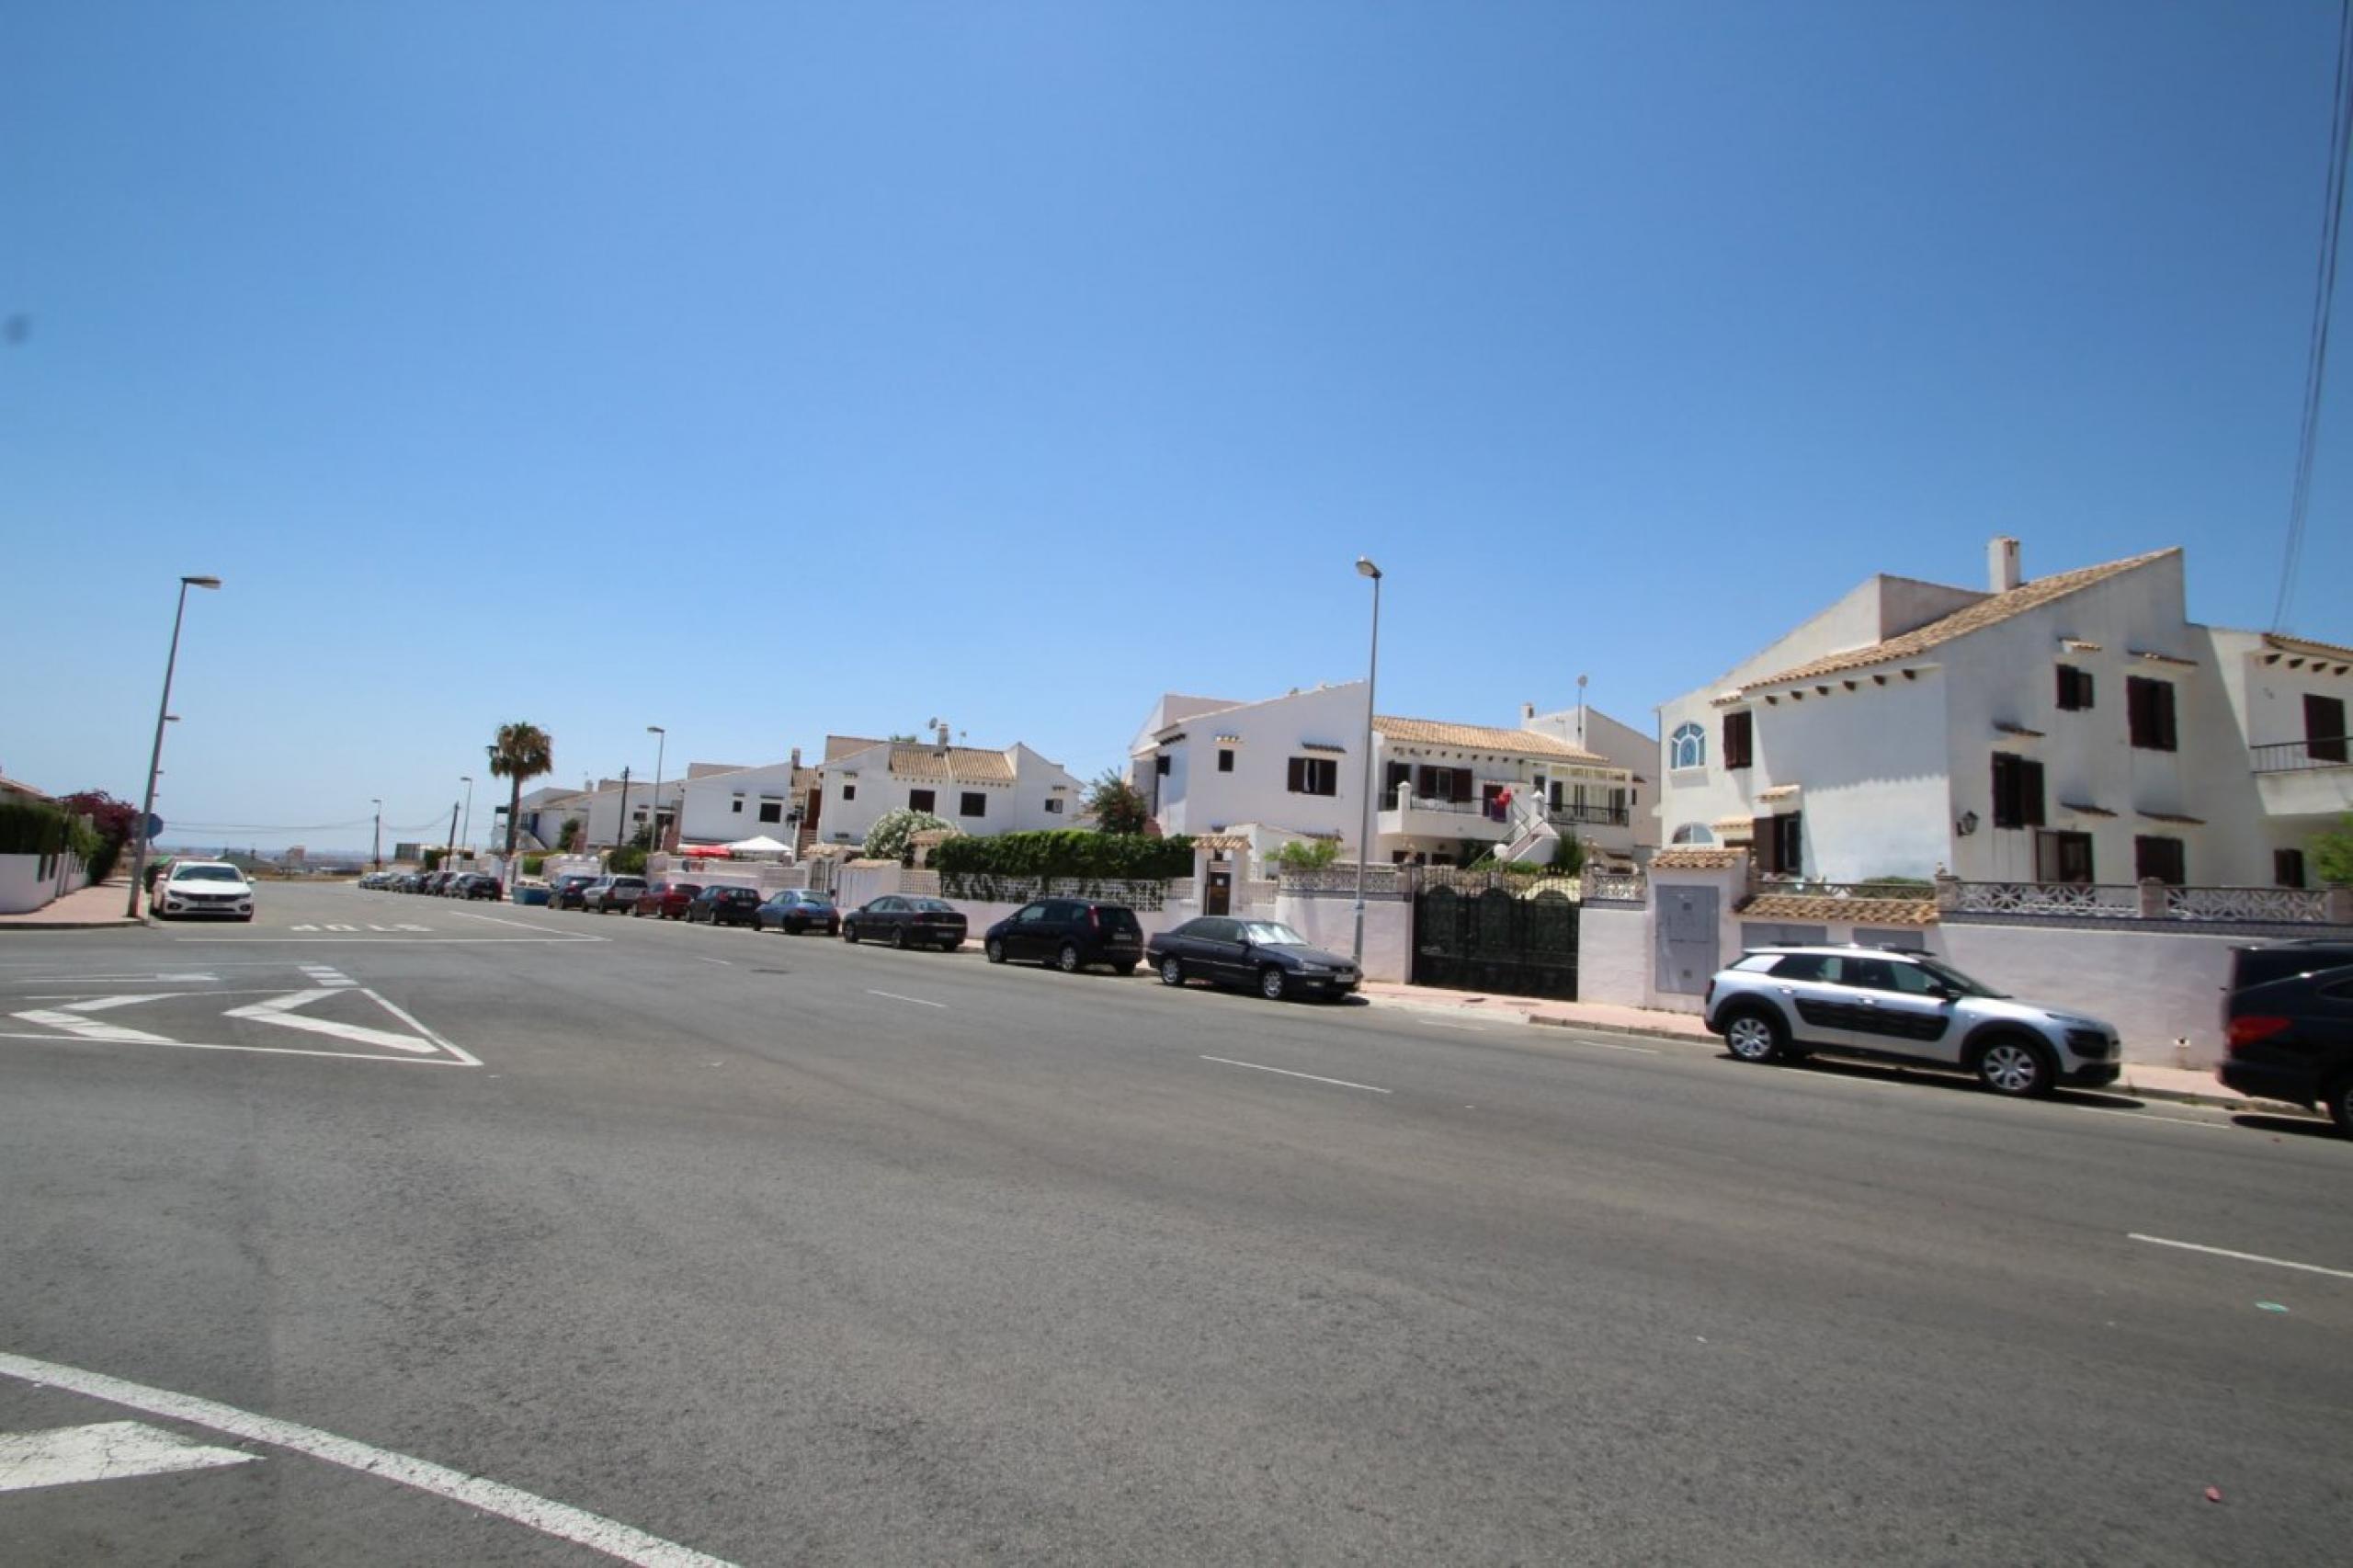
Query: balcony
pixel 2310 777
pixel 1428 816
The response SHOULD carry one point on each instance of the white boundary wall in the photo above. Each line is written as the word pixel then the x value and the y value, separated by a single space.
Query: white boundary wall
pixel 2162 990
pixel 23 889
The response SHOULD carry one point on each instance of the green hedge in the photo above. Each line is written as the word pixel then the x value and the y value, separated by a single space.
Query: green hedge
pixel 626 862
pixel 533 865
pixel 1069 852
pixel 36 827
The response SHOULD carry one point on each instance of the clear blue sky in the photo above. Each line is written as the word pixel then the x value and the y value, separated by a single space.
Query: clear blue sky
pixel 761 370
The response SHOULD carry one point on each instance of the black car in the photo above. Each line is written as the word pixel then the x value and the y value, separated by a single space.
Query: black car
pixel 1266 955
pixel 476 884
pixel 2288 1025
pixel 796 910
pixel 725 906
pixel 567 891
pixel 1070 934
pixel 607 893
pixel 906 922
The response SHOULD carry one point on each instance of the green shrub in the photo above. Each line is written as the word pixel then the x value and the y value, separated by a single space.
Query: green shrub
pixel 1306 854
pixel 567 837
pixel 1568 856
pixel 533 865
pixel 626 862
pixel 31 827
pixel 432 859
pixel 1068 852
pixel 2333 852
pixel 889 837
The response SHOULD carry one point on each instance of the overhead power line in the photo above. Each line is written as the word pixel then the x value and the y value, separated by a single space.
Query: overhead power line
pixel 2340 131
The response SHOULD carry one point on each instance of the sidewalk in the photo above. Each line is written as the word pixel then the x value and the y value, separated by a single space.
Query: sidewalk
pixel 91 909
pixel 2140 1079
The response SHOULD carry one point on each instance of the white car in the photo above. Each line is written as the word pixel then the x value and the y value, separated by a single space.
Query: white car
pixel 205 887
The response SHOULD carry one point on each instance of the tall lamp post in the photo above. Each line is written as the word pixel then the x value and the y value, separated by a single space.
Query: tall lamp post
pixel 1365 568
pixel 379 832
pixel 466 833
pixel 661 739
pixel 155 757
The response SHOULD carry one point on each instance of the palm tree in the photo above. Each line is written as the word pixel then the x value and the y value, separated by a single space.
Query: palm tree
pixel 523 751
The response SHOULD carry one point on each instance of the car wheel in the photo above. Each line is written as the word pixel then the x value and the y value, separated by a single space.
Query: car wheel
pixel 1755 1037
pixel 1067 960
pixel 995 947
pixel 1270 983
pixel 2015 1067
pixel 2340 1105
pixel 1171 972
pixel 849 933
pixel 899 937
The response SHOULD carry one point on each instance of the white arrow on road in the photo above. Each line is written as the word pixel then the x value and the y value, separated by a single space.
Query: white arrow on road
pixel 67 1020
pixel 109 1450
pixel 279 1010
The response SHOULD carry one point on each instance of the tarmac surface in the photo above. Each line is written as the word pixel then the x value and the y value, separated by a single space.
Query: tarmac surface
pixel 390 1230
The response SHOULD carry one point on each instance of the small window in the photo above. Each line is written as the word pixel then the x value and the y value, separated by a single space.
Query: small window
pixel 2148 709
pixel 1053 805
pixel 850 791
pixel 2287 868
pixel 1160 764
pixel 1688 747
pixel 1740 737
pixel 2159 857
pixel 2324 728
pixel 736 805
pixel 1778 843
pixel 1692 833
pixel 1225 759
pixel 921 800
pixel 771 811
pixel 2075 689
pixel 976 804
pixel 2063 857
pixel 1823 967
pixel 1314 776
pixel 1391 775
pixel 1870 975
pixel 2017 791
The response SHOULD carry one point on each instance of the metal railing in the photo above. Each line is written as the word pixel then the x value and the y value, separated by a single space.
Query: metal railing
pixel 1808 888
pixel 1601 816
pixel 2300 757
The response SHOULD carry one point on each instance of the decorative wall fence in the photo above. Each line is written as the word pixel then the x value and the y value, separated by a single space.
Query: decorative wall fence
pixel 980 888
pixel 2147 901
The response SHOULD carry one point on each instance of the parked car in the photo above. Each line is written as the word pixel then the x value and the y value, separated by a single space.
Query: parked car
pixel 411 882
pixel 1069 933
pixel 1783 1002
pixel 725 906
pixel 607 893
pixel 1265 954
pixel 796 910
pixel 567 891
pixel 204 887
pixel 905 921
pixel 477 884
pixel 2288 1025
pixel 665 901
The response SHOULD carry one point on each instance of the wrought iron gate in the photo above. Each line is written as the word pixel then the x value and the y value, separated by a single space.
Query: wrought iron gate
pixel 1497 940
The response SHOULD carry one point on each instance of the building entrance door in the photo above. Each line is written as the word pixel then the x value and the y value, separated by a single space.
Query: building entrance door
pixel 1218 897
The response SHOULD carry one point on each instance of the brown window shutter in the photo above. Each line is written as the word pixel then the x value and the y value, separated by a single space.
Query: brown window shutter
pixel 1765 844
pixel 2031 792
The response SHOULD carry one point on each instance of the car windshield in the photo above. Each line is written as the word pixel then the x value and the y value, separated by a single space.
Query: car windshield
pixel 1272 934
pixel 1957 981
pixel 207 874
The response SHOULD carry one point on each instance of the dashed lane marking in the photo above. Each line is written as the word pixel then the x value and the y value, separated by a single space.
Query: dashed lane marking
pixel 105 1450
pixel 916 1000
pixel 594 1531
pixel 2242 1257
pixel 1262 1067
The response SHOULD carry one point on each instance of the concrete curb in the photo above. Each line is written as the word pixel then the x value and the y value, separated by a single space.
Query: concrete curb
pixel 119 921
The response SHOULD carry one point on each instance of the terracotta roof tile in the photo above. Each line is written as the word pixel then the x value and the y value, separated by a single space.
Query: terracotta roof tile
pixel 2306 646
pixel 1989 612
pixel 962 764
pixel 1698 859
pixel 1227 842
pixel 1483 737
pixel 1822 908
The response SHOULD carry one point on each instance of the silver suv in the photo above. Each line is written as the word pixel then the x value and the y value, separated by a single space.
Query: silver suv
pixel 1780 1004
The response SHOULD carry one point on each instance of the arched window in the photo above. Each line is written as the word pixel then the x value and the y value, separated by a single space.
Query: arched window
pixel 1694 832
pixel 1688 747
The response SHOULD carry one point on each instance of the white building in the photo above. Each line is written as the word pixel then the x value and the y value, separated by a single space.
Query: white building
pixel 719 804
pixel 975 789
pixel 1621 744
pixel 2076 727
pixel 599 810
pixel 1292 767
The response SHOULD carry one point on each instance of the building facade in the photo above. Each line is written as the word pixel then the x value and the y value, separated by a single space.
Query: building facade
pixel 975 789
pixel 2072 728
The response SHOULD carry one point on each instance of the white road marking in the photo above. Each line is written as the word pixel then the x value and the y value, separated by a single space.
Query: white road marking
pixel 2151 1116
pixel 723 962
pixel 547 1517
pixel 497 920
pixel 406 941
pixel 107 1451
pixel 1613 1045
pixel 279 1010
pixel 916 1000
pixel 1261 1067
pixel 1466 1029
pixel 65 1020
pixel 2243 1257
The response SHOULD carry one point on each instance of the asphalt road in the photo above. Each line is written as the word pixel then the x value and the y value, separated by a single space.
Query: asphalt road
pixel 785 1251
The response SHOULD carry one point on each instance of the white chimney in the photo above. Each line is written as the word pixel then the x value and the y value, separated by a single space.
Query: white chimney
pixel 942 724
pixel 1527 711
pixel 2002 564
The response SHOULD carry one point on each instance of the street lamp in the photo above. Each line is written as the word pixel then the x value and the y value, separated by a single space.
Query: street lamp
pixel 379 804
pixel 155 757
pixel 662 738
pixel 1365 568
pixel 466 833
